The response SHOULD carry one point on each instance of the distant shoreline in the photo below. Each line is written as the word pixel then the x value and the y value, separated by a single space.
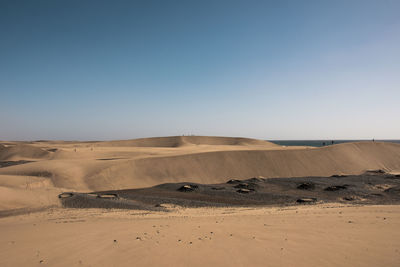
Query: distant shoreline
pixel 320 143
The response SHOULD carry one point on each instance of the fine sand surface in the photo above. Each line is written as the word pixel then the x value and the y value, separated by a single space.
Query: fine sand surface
pixel 32 174
pixel 316 235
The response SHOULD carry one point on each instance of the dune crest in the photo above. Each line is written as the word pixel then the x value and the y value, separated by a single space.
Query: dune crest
pixel 177 141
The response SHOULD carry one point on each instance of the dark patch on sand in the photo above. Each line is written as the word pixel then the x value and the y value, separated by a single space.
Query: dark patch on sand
pixel 306 186
pixel 233 181
pixel 359 189
pixel 393 190
pixel 107 196
pixel 102 200
pixel 336 187
pixel 111 159
pixel 245 190
pixel 187 188
pixel 306 200
pixel 248 186
pixel 66 195
pixel 4 164
pixel 217 188
pixel 14 212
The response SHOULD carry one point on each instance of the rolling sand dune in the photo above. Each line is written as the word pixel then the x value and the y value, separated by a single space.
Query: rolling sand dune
pixel 33 174
pixel 177 141
pixel 214 167
pixel 114 165
pixel 22 151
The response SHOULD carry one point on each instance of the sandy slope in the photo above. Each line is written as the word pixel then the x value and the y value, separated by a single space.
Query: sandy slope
pixel 18 192
pixel 297 236
pixel 22 151
pixel 85 166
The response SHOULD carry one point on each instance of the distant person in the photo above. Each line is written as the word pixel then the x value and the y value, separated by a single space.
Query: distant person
pixel 323 144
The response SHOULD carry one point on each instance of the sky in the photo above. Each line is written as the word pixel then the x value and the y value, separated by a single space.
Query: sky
pixel 102 70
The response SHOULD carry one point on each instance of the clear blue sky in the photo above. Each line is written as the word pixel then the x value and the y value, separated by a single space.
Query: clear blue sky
pixel 96 70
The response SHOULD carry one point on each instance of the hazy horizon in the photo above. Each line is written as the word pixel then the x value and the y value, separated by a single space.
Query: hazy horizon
pixel 337 141
pixel 272 70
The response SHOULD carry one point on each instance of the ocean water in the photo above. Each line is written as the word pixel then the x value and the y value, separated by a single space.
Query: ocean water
pixel 319 143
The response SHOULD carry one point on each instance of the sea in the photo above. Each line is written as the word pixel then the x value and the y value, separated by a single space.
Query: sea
pixel 320 143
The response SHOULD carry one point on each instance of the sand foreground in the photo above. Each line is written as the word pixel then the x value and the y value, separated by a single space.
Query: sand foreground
pixel 316 235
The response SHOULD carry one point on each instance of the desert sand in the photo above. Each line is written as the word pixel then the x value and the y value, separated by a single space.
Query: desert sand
pixel 295 236
pixel 37 230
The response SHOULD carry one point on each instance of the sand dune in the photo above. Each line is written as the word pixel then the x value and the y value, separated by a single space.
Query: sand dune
pixel 94 166
pixel 32 175
pixel 177 141
pixel 22 151
pixel 219 166
pixel 214 167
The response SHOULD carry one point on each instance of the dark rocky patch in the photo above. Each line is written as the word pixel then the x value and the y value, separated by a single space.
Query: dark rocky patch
pixel 244 191
pixel 82 200
pixel 393 176
pixel 374 172
pixel 256 180
pixel 65 195
pixel 306 200
pixel 339 175
pixel 335 187
pixel 359 189
pixel 306 186
pixel 233 181
pixel 393 190
pixel 107 196
pixel 246 185
pixel 350 198
pixel 187 188
pixel 242 185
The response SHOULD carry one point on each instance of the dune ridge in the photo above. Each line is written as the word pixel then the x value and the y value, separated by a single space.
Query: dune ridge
pixel 177 141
